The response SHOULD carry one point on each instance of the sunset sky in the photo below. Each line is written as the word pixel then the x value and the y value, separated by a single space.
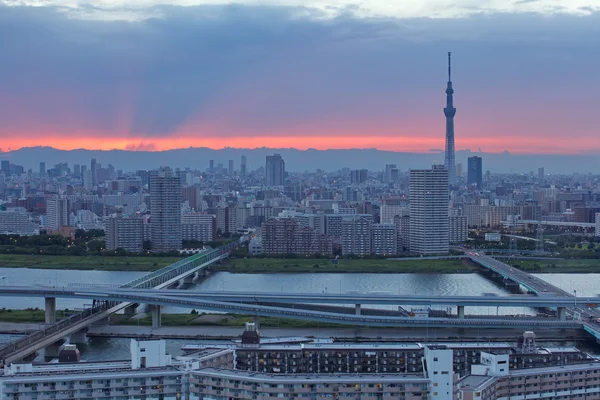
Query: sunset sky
pixel 155 75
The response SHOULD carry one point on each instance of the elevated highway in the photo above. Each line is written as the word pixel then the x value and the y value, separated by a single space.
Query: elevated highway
pixel 181 298
pixel 158 298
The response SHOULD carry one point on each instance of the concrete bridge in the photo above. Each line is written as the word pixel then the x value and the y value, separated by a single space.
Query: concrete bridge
pixel 51 337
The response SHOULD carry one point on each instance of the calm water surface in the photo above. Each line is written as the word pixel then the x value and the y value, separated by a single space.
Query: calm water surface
pixel 426 284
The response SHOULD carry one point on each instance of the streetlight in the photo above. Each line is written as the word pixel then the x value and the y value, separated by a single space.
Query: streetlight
pixel 575 292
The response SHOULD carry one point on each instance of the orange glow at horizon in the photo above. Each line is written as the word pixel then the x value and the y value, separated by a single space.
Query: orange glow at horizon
pixel 423 144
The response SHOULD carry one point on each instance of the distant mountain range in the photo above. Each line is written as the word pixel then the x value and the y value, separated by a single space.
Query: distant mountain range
pixel 300 160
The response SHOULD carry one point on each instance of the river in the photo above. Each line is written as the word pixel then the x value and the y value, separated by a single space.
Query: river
pixel 427 284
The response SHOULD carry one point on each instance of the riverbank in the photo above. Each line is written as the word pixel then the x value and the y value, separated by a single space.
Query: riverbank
pixel 223 320
pixel 315 265
pixel 573 266
pixel 31 315
pixel 113 263
pixel 291 265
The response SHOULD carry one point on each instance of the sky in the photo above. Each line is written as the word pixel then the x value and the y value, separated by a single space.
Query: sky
pixel 156 75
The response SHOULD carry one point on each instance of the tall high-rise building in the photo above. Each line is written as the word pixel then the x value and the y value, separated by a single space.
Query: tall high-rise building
pixel 77 170
pixel 57 212
pixel 5 166
pixel 42 168
pixel 391 172
pixel 541 173
pixel 165 195
pixel 243 167
pixel 93 169
pixel 450 112
pixel 211 166
pixel 274 170
pixel 358 176
pixel 475 171
pixel 429 224
pixel 230 168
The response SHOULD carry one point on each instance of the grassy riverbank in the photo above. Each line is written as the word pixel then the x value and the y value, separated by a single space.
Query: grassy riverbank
pixel 30 316
pixel 576 266
pixel 38 316
pixel 113 263
pixel 308 265
pixel 218 320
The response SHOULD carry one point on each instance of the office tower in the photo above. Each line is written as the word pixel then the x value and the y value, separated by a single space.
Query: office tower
pixel 358 176
pixel 459 170
pixel 77 170
pixel 125 233
pixel 274 170
pixel 388 177
pixel 243 167
pixel 5 167
pixel 165 195
pixel 541 173
pixel 428 194
pixel 211 166
pixel 57 213
pixel 2 182
pixel 93 167
pixel 450 112
pixel 475 171
pixel 42 168
pixel 230 168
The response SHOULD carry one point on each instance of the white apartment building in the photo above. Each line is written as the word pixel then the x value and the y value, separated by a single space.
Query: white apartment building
pixel 151 375
pixel 125 233
pixel 388 212
pixel 198 226
pixel 57 213
pixel 315 221
pixel 356 236
pixel 385 241
pixel 458 230
pixel 428 194
pixel 17 223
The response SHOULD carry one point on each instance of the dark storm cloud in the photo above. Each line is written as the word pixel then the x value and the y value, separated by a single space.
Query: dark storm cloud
pixel 160 72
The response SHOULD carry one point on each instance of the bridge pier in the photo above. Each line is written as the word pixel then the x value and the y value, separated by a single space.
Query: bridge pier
pixel 562 313
pixel 155 309
pixel 357 309
pixel 460 310
pixel 188 280
pixel 130 310
pixel 51 351
pixel 50 307
pixel 256 321
pixel 78 337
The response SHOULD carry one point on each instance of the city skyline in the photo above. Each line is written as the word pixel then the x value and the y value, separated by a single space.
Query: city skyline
pixel 294 77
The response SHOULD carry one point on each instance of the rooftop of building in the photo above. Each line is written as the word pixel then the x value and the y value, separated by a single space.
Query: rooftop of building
pixel 87 370
pixel 594 366
pixel 475 382
pixel 381 346
pixel 311 378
